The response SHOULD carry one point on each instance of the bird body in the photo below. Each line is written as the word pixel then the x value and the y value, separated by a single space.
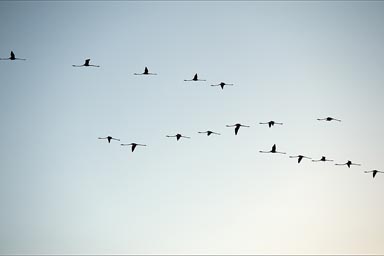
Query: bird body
pixel 328 119
pixel 273 150
pixel 133 145
pixel 271 123
pixel 374 172
pixel 210 132
pixel 178 136
pixel 146 72
pixel 349 163
pixel 237 127
pixel 109 138
pixel 222 84
pixel 86 64
pixel 299 158
pixel 12 57
pixel 322 159
pixel 195 78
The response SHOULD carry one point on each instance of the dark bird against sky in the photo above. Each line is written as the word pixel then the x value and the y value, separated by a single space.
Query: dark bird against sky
pixel 86 64
pixel 12 57
pixel 237 127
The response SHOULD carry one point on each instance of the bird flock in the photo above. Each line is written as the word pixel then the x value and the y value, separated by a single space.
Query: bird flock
pixel 237 126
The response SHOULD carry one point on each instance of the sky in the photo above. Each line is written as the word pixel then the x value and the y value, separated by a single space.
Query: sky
pixel 63 191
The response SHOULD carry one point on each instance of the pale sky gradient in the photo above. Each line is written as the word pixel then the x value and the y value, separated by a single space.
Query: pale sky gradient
pixel 63 191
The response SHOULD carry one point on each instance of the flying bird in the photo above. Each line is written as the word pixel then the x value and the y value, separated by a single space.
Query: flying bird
pixel 349 163
pixel 222 84
pixel 210 132
pixel 328 119
pixel 178 136
pixel 237 127
pixel 273 150
pixel 299 158
pixel 109 138
pixel 133 145
pixel 86 64
pixel 146 72
pixel 322 159
pixel 271 123
pixel 12 57
pixel 195 78
pixel 374 172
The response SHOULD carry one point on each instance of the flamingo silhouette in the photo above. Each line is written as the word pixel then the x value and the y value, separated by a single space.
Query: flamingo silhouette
pixel 300 157
pixel 273 150
pixel 12 57
pixel 210 132
pixel 146 72
pixel 322 159
pixel 86 64
pixel 195 78
pixel 328 119
pixel 349 163
pixel 374 172
pixel 178 136
pixel 271 123
pixel 133 145
pixel 237 127
pixel 109 138
pixel 222 84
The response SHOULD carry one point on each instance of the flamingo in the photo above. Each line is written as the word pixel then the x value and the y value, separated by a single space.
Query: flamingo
pixel 271 123
pixel 237 127
pixel 349 163
pixel 300 157
pixel 210 132
pixel 323 159
pixel 109 138
pixel 374 172
pixel 178 136
pixel 273 150
pixel 222 84
pixel 195 78
pixel 328 119
pixel 12 57
pixel 146 72
pixel 133 145
pixel 86 64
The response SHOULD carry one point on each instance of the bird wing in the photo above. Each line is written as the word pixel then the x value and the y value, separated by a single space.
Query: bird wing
pixel 195 77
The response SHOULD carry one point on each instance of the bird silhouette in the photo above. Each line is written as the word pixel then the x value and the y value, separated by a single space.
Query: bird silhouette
pixel 210 132
pixel 195 78
pixel 299 158
pixel 133 145
pixel 86 64
pixel 374 172
pixel 178 136
pixel 146 72
pixel 271 123
pixel 109 138
pixel 222 84
pixel 322 159
pixel 273 150
pixel 237 127
pixel 349 163
pixel 328 119
pixel 12 57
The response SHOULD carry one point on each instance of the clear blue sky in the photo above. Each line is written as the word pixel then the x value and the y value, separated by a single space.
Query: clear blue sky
pixel 64 191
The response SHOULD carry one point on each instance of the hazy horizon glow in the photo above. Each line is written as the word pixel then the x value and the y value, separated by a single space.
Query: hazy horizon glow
pixel 63 191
